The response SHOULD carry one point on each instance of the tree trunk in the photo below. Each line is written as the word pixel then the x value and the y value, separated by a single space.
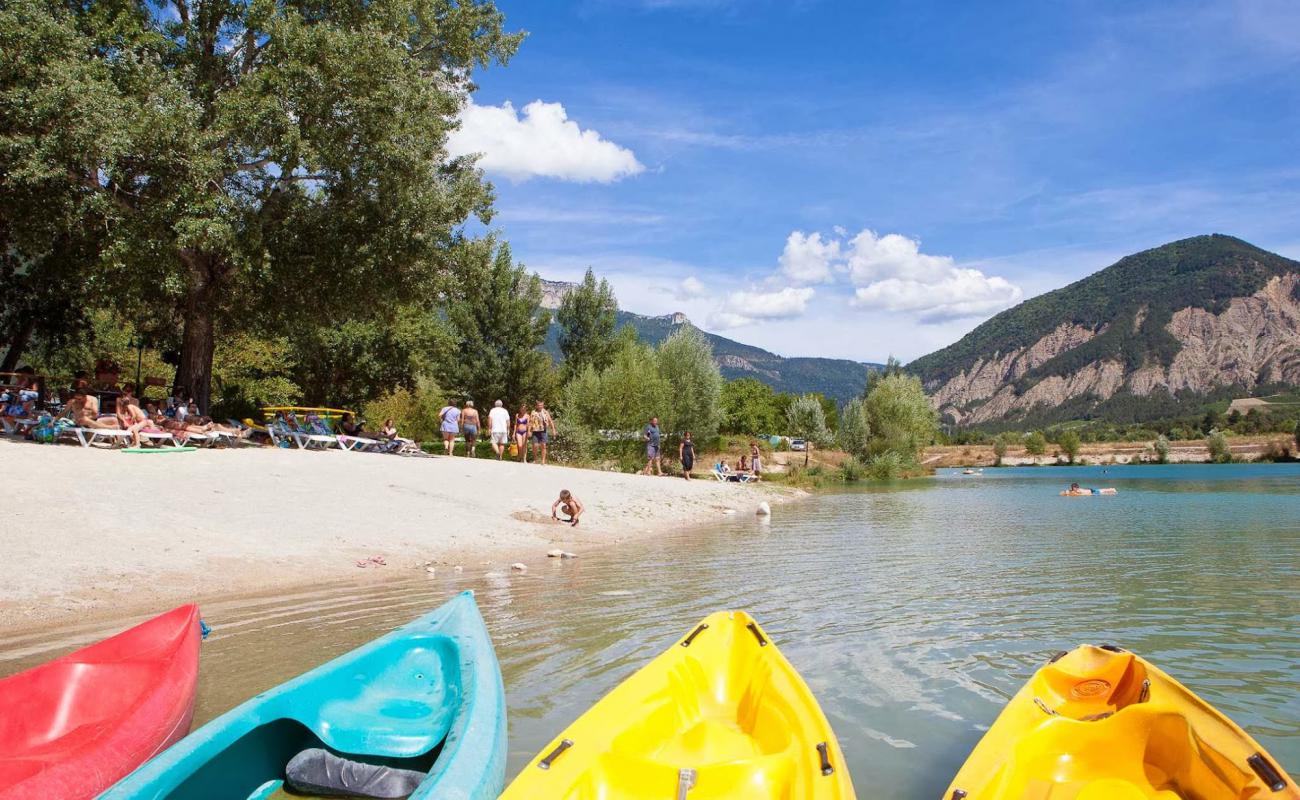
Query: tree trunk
pixel 17 344
pixel 807 448
pixel 198 340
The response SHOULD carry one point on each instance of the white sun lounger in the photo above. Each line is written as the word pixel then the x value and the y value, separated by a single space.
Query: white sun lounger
pixel 356 443
pixel 732 477
pixel 18 427
pixel 88 436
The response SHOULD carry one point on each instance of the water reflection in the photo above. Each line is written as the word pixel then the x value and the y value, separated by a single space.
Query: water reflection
pixel 914 611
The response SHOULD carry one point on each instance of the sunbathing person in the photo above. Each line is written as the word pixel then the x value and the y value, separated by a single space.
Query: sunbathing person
pixel 132 419
pixel 84 409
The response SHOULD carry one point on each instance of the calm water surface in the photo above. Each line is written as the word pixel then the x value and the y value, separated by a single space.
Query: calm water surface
pixel 914 611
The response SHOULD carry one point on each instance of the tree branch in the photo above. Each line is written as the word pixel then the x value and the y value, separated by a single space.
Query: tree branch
pixel 183 11
pixel 252 165
pixel 90 181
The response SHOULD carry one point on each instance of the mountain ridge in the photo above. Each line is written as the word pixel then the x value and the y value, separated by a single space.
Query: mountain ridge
pixel 837 378
pixel 1158 328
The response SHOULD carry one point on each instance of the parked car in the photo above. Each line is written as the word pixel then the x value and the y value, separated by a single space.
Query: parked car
pixel 798 445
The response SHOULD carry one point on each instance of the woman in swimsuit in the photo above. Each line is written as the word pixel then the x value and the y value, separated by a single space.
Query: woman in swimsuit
pixel 521 433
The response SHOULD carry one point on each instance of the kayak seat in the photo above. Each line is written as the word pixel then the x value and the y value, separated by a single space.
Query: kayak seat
pixel 397 701
pixel 1090 682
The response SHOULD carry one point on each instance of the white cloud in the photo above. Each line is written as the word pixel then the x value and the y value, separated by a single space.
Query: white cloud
pixel 542 142
pixel 807 258
pixel 742 308
pixel 690 288
pixel 960 293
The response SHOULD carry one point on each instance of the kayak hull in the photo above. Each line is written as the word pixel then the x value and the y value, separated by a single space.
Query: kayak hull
pixel 427 696
pixel 1104 723
pixel 721 714
pixel 71 727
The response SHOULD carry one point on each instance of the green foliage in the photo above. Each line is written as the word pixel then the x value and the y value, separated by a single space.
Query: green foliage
pixel 1068 441
pixel 695 401
pixel 854 436
pixel 249 373
pixel 852 470
pixel 1036 443
pixel 587 318
pixel 750 407
pixel 414 411
pixel 1161 447
pixel 806 419
pixel 268 162
pixel 886 466
pixel 1295 434
pixel 1217 444
pixel 999 450
pixel 900 417
pixel 496 327
pixel 621 398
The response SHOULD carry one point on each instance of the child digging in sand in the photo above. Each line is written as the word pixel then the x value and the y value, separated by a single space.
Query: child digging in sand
pixel 567 504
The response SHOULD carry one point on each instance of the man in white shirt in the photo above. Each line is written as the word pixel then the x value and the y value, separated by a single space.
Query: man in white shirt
pixel 499 424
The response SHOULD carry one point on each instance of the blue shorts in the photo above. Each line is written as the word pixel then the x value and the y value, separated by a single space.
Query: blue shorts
pixel 471 431
pixel 651 450
pixel 541 437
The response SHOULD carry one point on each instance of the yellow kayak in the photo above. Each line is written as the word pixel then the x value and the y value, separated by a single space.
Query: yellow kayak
pixel 722 714
pixel 1100 723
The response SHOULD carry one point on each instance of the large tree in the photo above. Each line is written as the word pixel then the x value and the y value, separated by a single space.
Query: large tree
pixel 497 327
pixel 899 416
pixel 587 318
pixel 276 160
pixel 686 363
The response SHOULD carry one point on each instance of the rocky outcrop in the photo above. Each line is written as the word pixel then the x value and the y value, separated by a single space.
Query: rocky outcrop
pixel 1256 339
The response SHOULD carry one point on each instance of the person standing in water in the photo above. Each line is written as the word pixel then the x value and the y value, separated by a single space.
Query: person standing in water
pixel 686 452
pixel 499 426
pixel 469 423
pixel 450 426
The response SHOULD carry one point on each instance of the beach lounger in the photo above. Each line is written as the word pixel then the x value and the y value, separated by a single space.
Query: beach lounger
pixel 163 437
pixel 18 427
pixel 88 436
pixel 732 477
pixel 357 443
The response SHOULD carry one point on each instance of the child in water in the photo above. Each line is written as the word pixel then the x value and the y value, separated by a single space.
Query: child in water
pixel 567 504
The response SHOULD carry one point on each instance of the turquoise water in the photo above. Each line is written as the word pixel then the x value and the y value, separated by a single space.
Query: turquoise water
pixel 914 611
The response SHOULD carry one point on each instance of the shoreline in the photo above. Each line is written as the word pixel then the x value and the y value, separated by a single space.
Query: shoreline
pixel 98 534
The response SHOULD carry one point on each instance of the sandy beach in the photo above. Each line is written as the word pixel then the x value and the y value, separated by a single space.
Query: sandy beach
pixel 91 531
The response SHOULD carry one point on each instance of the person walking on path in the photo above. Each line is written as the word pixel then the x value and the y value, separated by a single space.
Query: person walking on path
pixel 450 416
pixel 523 420
pixel 686 453
pixel 652 438
pixel 499 427
pixel 469 423
pixel 542 426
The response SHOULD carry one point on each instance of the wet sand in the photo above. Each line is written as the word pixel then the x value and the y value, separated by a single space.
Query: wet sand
pixel 100 533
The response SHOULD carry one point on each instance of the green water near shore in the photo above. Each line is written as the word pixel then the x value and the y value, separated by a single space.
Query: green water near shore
pixel 913 611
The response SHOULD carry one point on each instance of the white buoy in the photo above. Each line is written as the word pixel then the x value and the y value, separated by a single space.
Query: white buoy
pixel 764 510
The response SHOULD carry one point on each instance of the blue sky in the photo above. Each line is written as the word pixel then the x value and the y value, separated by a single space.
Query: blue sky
pixel 860 179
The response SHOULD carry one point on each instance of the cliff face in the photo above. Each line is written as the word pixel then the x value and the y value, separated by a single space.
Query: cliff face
pixel 1148 346
pixel 1255 340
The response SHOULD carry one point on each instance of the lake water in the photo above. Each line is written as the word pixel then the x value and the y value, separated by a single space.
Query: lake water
pixel 913 611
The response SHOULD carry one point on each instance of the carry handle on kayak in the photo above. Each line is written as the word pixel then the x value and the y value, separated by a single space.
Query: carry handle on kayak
pixel 687 641
pixel 1267 772
pixel 823 751
pixel 685 782
pixel 545 763
pixel 759 636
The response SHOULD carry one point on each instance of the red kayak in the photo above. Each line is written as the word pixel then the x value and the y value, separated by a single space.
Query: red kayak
pixel 75 726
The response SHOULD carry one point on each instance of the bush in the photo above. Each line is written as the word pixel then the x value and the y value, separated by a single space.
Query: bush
pixel 886 466
pixel 1217 444
pixel 573 444
pixel 414 412
pixel 852 470
pixel 1162 450
pixel 1069 444
pixel 783 446
pixel 1036 443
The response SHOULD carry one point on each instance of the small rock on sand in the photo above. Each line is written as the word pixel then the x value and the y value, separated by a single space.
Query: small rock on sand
pixel 556 553
pixel 728 511
pixel 764 510
pixel 519 567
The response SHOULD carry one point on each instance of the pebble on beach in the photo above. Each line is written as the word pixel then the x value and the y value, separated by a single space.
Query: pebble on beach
pixel 519 566
pixel 556 553
pixel 764 510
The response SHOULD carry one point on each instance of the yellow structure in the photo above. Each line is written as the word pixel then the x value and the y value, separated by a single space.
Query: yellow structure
pixel 1099 723
pixel 722 714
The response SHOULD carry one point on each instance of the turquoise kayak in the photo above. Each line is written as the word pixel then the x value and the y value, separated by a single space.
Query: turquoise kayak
pixel 426 698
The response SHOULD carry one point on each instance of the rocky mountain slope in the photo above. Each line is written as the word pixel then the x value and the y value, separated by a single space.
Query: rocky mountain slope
pixel 839 379
pixel 1148 336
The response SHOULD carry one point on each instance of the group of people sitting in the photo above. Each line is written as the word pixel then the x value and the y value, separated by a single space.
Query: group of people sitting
pixel 286 423
pixel 20 402
pixel 178 416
